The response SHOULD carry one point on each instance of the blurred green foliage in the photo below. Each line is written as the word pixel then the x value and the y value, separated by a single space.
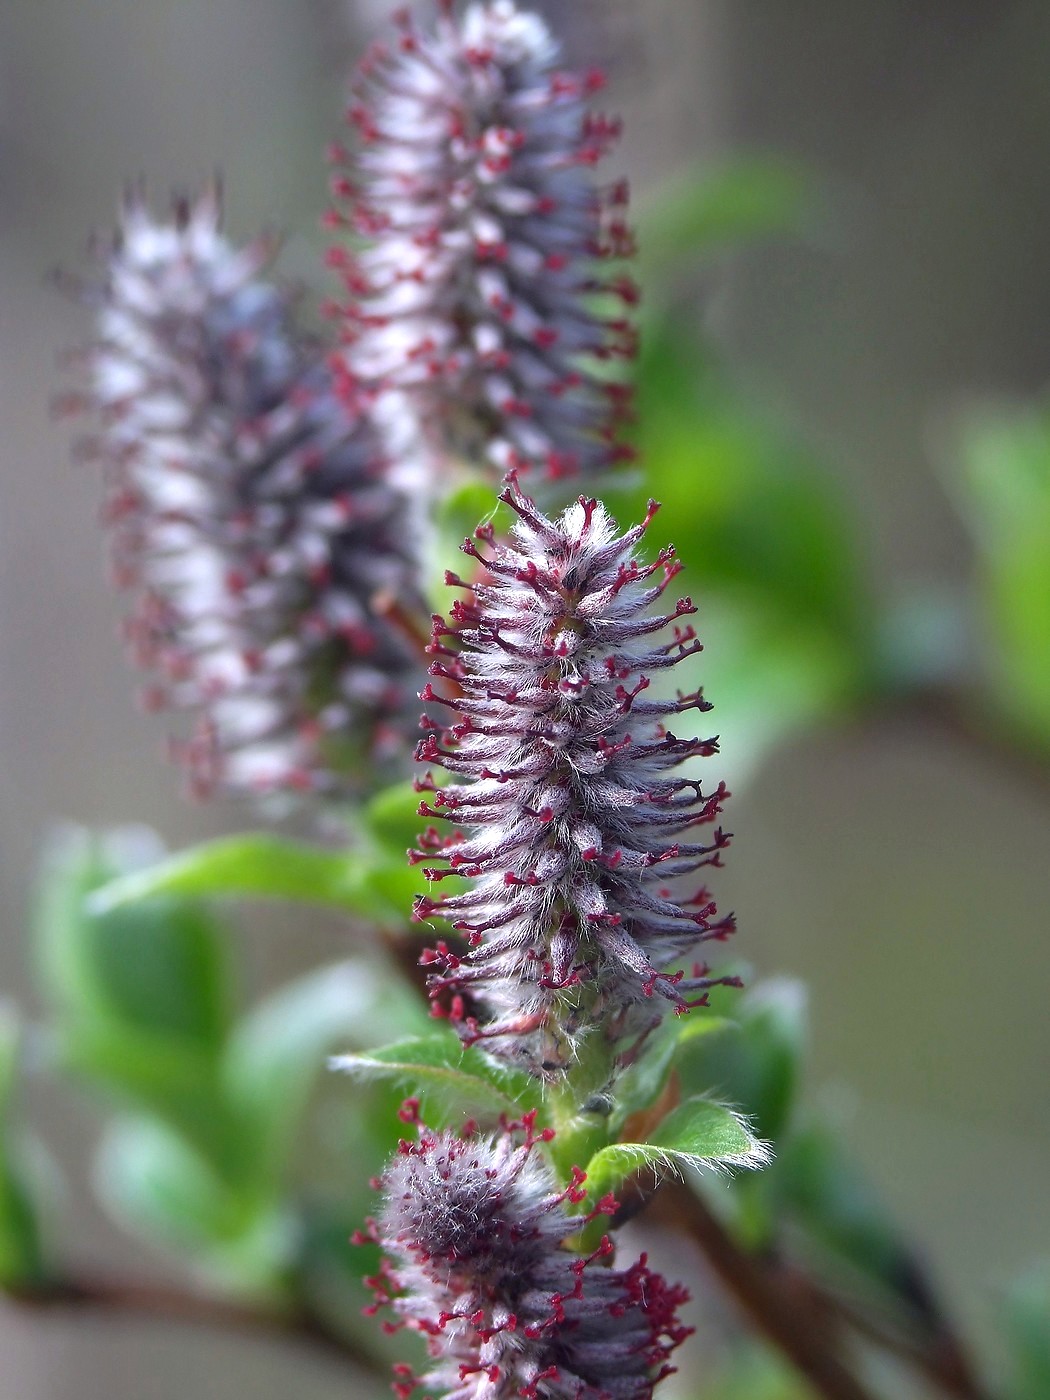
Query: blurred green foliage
pixel 21 1253
pixel 1027 1324
pixel 708 210
pixel 211 1099
pixel 771 553
pixel 144 998
pixel 1003 486
pixel 757 1376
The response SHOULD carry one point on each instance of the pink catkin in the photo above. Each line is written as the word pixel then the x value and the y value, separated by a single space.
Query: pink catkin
pixel 482 315
pixel 474 1230
pixel 571 823
pixel 251 518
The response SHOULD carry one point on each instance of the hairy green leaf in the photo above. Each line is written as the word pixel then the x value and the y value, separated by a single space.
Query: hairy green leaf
pixel 709 1132
pixel 697 1133
pixel 453 1082
pixel 640 1084
pixel 756 1063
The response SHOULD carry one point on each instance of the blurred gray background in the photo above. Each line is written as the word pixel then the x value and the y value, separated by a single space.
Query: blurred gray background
pixel 902 875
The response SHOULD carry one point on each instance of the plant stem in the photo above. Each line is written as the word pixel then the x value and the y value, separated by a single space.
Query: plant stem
pixel 805 1337
pixel 803 1320
pixel 579 1133
pixel 940 1356
pixel 963 721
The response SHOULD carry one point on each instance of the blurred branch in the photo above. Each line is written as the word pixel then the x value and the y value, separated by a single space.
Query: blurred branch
pixel 803 1334
pixel 802 1320
pixel 943 709
pixel 942 1358
pixel 164 1302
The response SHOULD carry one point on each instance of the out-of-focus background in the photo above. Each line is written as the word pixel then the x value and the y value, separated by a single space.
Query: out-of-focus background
pixel 888 857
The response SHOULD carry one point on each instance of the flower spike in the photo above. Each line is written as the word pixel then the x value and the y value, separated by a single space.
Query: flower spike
pixel 574 821
pixel 475 1230
pixel 250 512
pixel 482 312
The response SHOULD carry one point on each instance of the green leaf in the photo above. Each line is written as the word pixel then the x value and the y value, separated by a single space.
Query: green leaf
pixel 389 828
pixel 756 1063
pixel 823 1191
pixel 21 1256
pixel 640 1084
pixel 255 867
pixel 698 211
pixel 392 819
pixel 1004 490
pixel 453 1082
pixel 153 1182
pixel 458 514
pixel 161 968
pixel 277 1051
pixel 1027 1327
pixel 372 879
pixel 697 1133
